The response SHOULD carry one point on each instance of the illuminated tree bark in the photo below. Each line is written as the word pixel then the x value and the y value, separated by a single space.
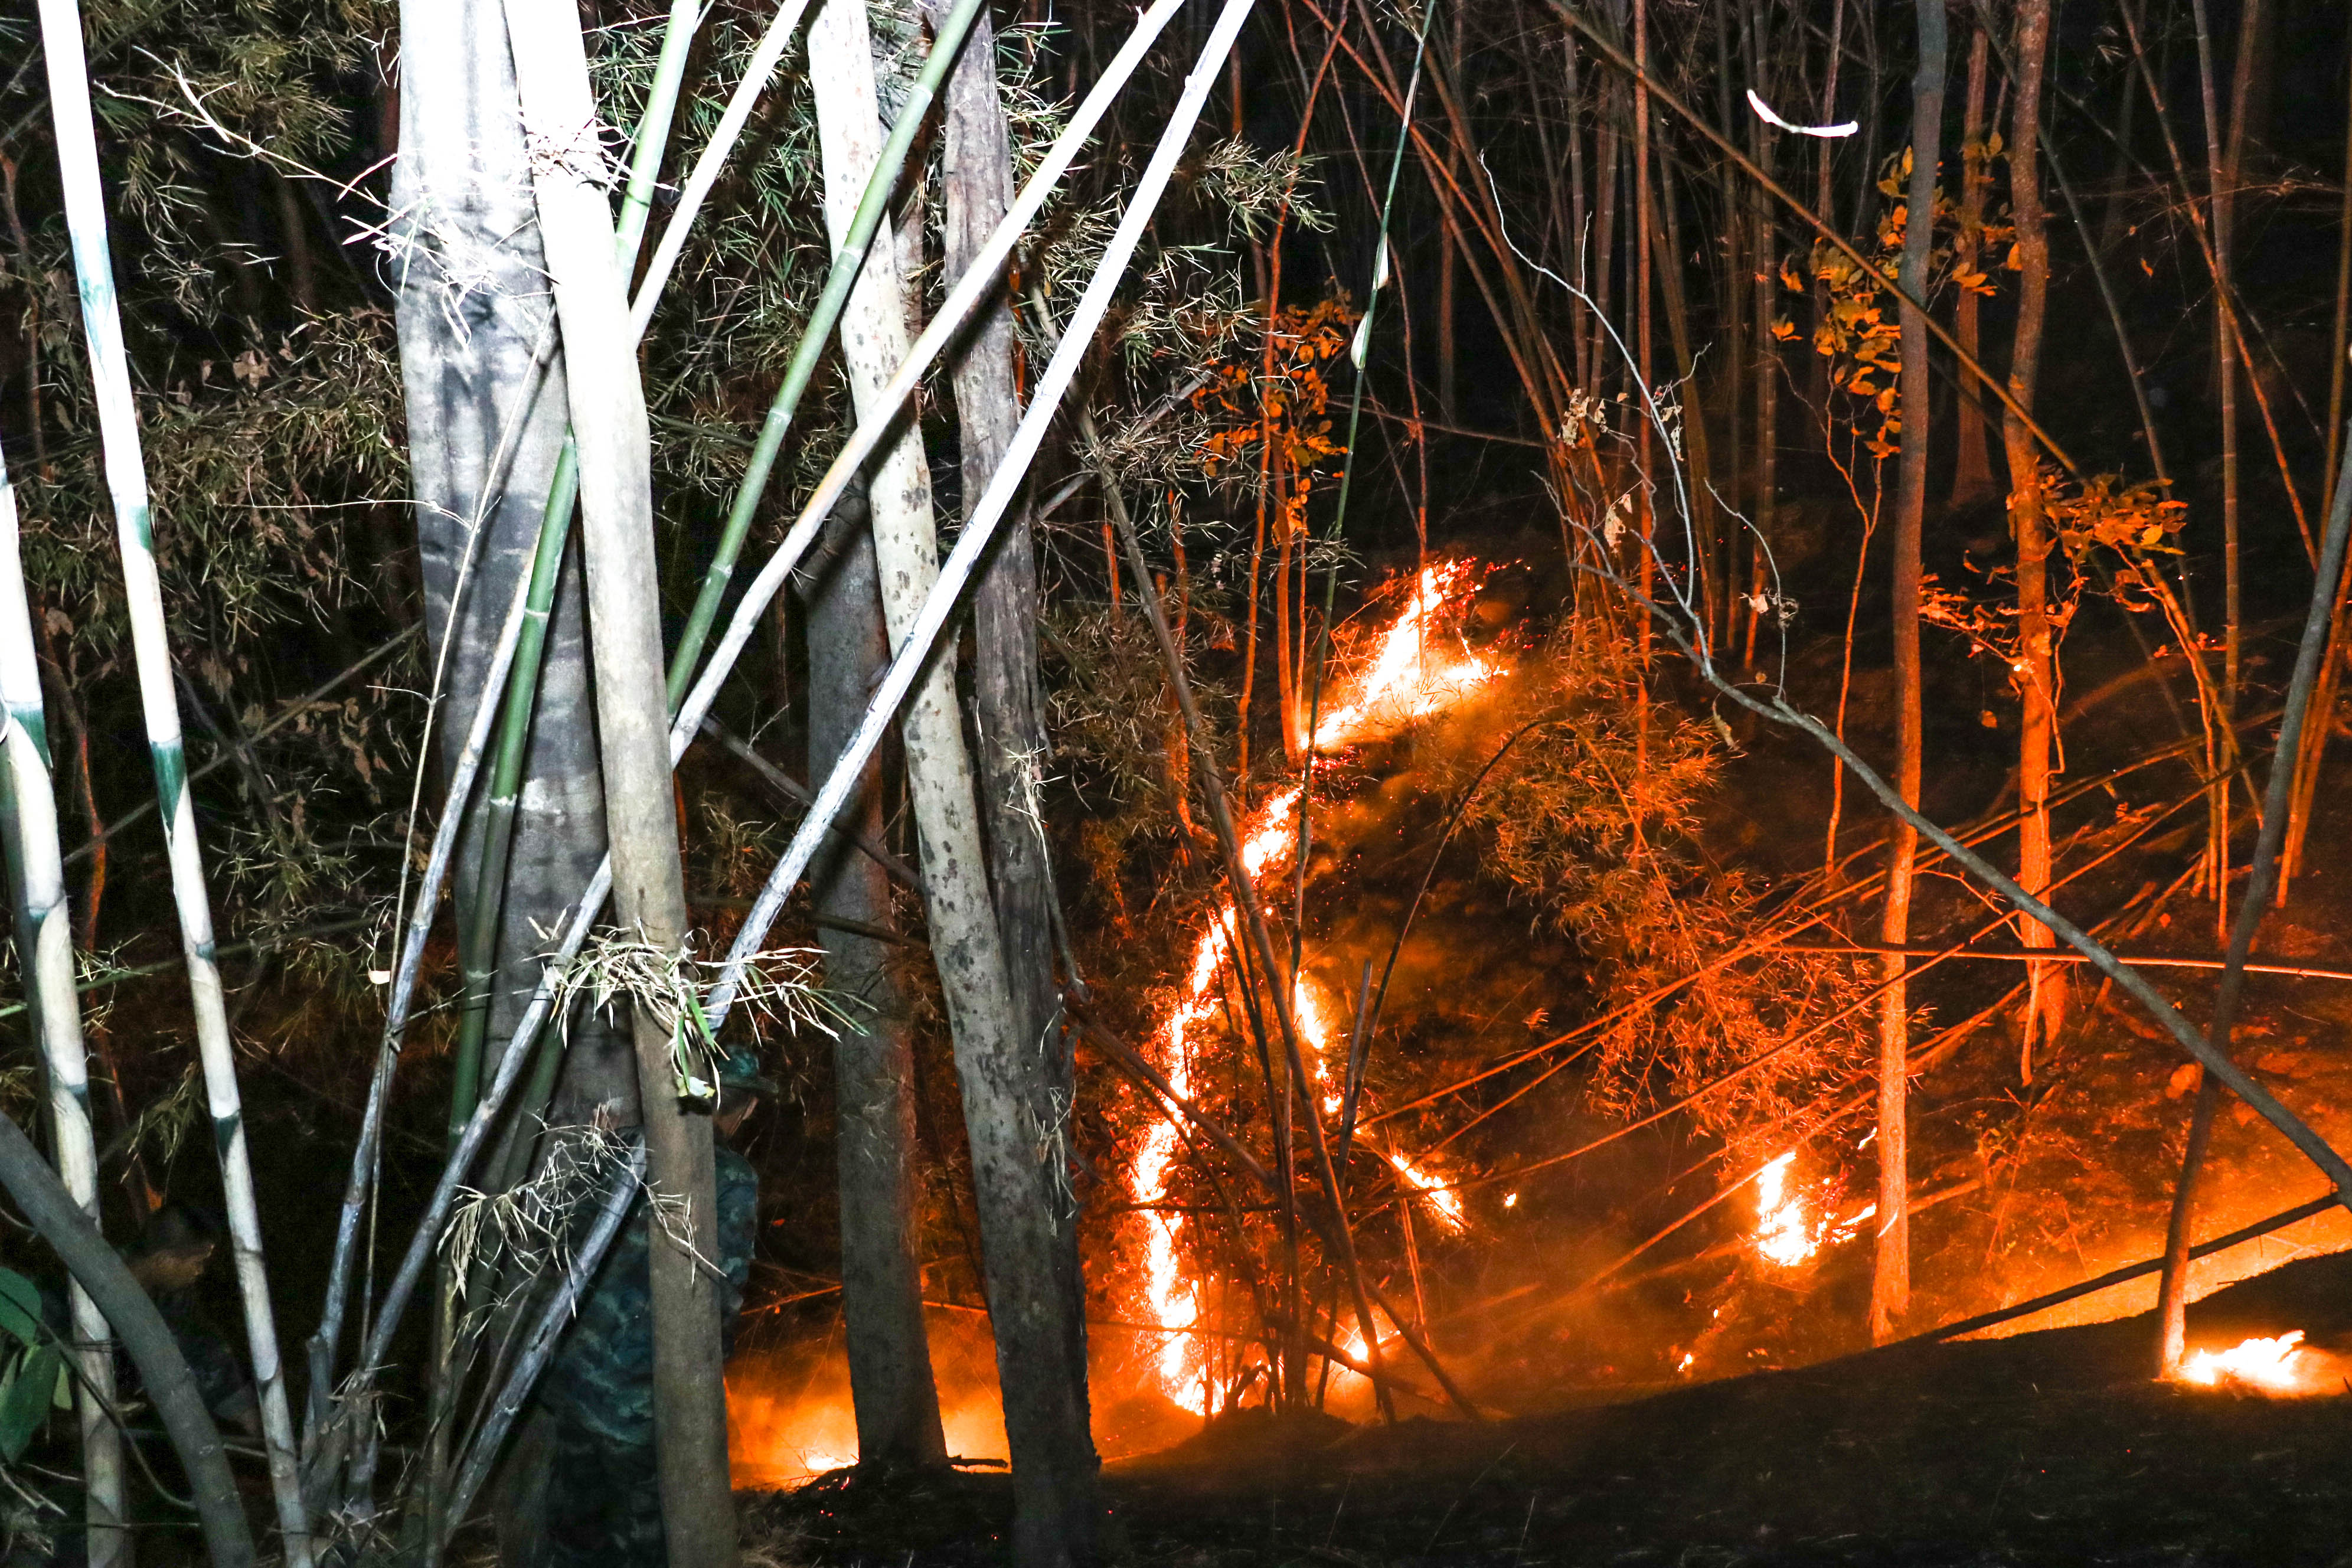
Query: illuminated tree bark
pixel 2035 674
pixel 1972 469
pixel 1008 692
pixel 1890 1280
pixel 1056 1518
pixel 890 1384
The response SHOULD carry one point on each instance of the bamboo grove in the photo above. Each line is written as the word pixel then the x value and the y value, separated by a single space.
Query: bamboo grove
pixel 1111 590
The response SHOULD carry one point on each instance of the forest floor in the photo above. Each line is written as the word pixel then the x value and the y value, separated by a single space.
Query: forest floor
pixel 2053 1447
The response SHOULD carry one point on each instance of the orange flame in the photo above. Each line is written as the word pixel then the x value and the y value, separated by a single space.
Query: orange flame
pixel 2264 1363
pixel 1407 677
pixel 1782 1236
pixel 1444 1201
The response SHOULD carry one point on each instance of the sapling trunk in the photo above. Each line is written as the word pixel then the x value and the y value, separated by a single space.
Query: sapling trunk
pixel 2220 177
pixel 126 483
pixel 37 877
pixel 2035 670
pixel 1972 470
pixel 2315 744
pixel 1890 1284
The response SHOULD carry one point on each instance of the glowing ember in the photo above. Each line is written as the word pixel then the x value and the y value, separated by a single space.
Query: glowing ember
pixel 1510 1200
pixel 2258 1363
pixel 1781 1234
pixel 1443 1200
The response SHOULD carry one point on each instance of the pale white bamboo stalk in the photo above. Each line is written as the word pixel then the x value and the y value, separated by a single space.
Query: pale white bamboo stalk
pixel 45 952
pixel 914 651
pixel 126 483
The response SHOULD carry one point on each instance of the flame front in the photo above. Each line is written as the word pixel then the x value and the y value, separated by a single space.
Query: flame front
pixel 1408 677
pixel 2266 1364
pixel 1781 1234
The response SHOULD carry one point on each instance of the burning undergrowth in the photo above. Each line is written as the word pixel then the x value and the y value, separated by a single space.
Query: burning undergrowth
pixel 1509 941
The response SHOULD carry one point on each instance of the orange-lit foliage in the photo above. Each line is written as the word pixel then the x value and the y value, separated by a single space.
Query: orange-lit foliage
pixel 1243 409
pixel 1859 333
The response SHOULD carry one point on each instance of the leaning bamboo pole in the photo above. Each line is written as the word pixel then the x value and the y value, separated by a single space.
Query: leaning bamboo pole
pixel 44 953
pixel 126 482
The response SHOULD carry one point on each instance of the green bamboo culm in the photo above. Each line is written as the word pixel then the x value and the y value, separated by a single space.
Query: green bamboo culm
pixel 872 205
pixel 479 953
pixel 37 883
pixel 126 483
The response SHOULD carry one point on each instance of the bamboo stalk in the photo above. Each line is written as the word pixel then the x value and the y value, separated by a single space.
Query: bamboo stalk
pixel 848 260
pixel 126 480
pixel 45 957
pixel 616 525
pixel 985 274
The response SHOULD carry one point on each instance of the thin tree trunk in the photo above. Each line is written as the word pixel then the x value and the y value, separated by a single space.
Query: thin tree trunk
pixel 890 1384
pixel 1818 378
pixel 1972 468
pixel 1767 351
pixel 1738 292
pixel 608 420
pixel 1449 405
pixel 2036 675
pixel 1578 201
pixel 126 483
pixel 1019 1189
pixel 2315 742
pixel 1890 1283
pixel 46 973
pixel 2220 177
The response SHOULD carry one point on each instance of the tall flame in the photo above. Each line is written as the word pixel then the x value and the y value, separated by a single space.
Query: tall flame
pixel 1408 677
pixel 1782 1233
